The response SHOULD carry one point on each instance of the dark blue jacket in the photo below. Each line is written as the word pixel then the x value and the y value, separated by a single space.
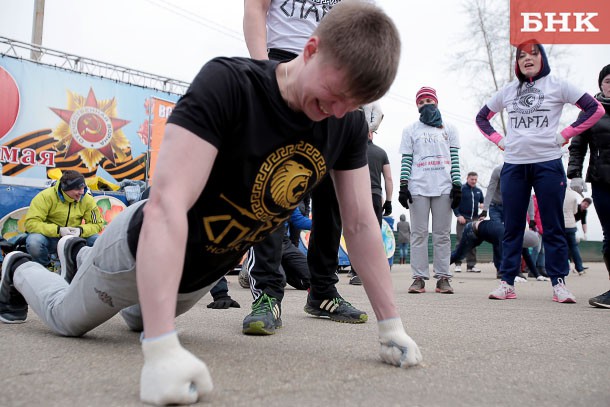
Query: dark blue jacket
pixel 469 205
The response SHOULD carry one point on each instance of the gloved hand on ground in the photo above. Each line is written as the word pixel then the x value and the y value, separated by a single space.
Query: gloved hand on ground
pixel 224 303
pixel 397 348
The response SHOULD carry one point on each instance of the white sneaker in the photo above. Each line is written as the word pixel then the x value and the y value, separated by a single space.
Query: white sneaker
pixel 503 292
pixel 542 278
pixel 457 269
pixel 520 280
pixel 562 294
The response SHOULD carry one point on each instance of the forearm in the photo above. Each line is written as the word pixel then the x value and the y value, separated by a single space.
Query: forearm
pixel 43 228
pixel 455 166
pixel 159 267
pixel 365 246
pixel 483 123
pixel 405 168
pixel 592 112
pixel 389 183
pixel 90 229
pixel 255 27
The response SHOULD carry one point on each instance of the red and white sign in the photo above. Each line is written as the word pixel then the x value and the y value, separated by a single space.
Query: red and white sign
pixel 560 21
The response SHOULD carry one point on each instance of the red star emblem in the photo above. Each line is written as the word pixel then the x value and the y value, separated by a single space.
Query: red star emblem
pixel 90 127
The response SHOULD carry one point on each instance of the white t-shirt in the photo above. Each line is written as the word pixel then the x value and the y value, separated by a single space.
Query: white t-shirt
pixel 533 117
pixel 431 170
pixel 291 22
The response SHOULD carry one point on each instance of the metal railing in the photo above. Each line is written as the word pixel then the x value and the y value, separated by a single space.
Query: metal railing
pixel 63 60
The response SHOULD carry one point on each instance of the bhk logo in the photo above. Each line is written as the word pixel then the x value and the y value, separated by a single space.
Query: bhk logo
pixel 560 21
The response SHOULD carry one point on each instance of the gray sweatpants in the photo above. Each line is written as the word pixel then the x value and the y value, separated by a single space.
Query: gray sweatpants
pixel 420 210
pixel 104 285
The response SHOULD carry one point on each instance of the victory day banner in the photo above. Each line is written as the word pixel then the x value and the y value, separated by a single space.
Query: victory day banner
pixel 55 118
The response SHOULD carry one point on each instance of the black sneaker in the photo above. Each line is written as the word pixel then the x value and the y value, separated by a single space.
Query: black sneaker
pixel 337 309
pixel 13 307
pixel 67 249
pixel 601 301
pixel 264 318
pixel 443 286
pixel 355 280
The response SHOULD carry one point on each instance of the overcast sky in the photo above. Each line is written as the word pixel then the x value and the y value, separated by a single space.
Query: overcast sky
pixel 176 37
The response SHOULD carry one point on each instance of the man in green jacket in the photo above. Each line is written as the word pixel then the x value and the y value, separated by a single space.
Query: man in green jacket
pixel 59 211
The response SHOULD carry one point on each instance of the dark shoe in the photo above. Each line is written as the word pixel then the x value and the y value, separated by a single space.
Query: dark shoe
pixel 264 318
pixel 13 307
pixel 355 280
pixel 601 301
pixel 337 309
pixel 418 286
pixel 443 286
pixel 243 277
pixel 67 249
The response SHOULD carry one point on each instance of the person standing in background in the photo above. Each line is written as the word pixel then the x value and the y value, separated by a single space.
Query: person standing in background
pixel 532 158
pixel 472 199
pixel 404 237
pixel 596 140
pixel 430 184
pixel 272 34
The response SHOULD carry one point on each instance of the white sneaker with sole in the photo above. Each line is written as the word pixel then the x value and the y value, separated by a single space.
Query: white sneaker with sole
pixel 503 292
pixel 562 294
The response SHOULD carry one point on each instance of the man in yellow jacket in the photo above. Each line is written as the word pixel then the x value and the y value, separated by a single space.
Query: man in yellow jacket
pixel 59 211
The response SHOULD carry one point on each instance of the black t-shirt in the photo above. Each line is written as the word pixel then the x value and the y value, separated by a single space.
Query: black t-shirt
pixel 581 215
pixel 269 158
pixel 377 158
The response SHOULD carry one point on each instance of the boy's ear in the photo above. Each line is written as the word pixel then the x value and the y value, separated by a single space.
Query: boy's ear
pixel 311 47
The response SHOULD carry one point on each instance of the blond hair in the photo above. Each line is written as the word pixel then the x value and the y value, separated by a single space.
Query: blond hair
pixel 363 41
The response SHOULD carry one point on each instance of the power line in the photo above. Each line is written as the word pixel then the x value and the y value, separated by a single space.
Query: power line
pixel 197 19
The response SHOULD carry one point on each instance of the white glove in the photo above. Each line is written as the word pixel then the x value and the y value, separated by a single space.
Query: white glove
pixel 397 348
pixel 501 144
pixel 561 141
pixel 578 185
pixel 75 231
pixel 65 231
pixel 171 374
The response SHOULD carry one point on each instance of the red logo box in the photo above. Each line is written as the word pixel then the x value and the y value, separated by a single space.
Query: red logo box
pixel 560 21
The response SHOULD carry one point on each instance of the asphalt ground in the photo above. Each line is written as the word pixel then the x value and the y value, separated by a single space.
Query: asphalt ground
pixel 477 352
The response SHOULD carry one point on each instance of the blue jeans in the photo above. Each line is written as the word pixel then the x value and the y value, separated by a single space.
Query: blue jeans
pixel 573 250
pixel 489 231
pixel 403 249
pixel 496 212
pixel 549 182
pixel 41 247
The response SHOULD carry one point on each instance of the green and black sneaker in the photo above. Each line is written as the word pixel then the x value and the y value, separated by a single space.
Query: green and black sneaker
pixel 264 318
pixel 337 309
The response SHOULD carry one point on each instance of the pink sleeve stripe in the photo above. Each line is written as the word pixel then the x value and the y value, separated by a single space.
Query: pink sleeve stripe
pixel 485 127
pixel 570 131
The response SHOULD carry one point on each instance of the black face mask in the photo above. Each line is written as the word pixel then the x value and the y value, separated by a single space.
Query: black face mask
pixel 430 115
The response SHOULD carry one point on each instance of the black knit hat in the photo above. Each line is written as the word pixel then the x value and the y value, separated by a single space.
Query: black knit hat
pixel 602 74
